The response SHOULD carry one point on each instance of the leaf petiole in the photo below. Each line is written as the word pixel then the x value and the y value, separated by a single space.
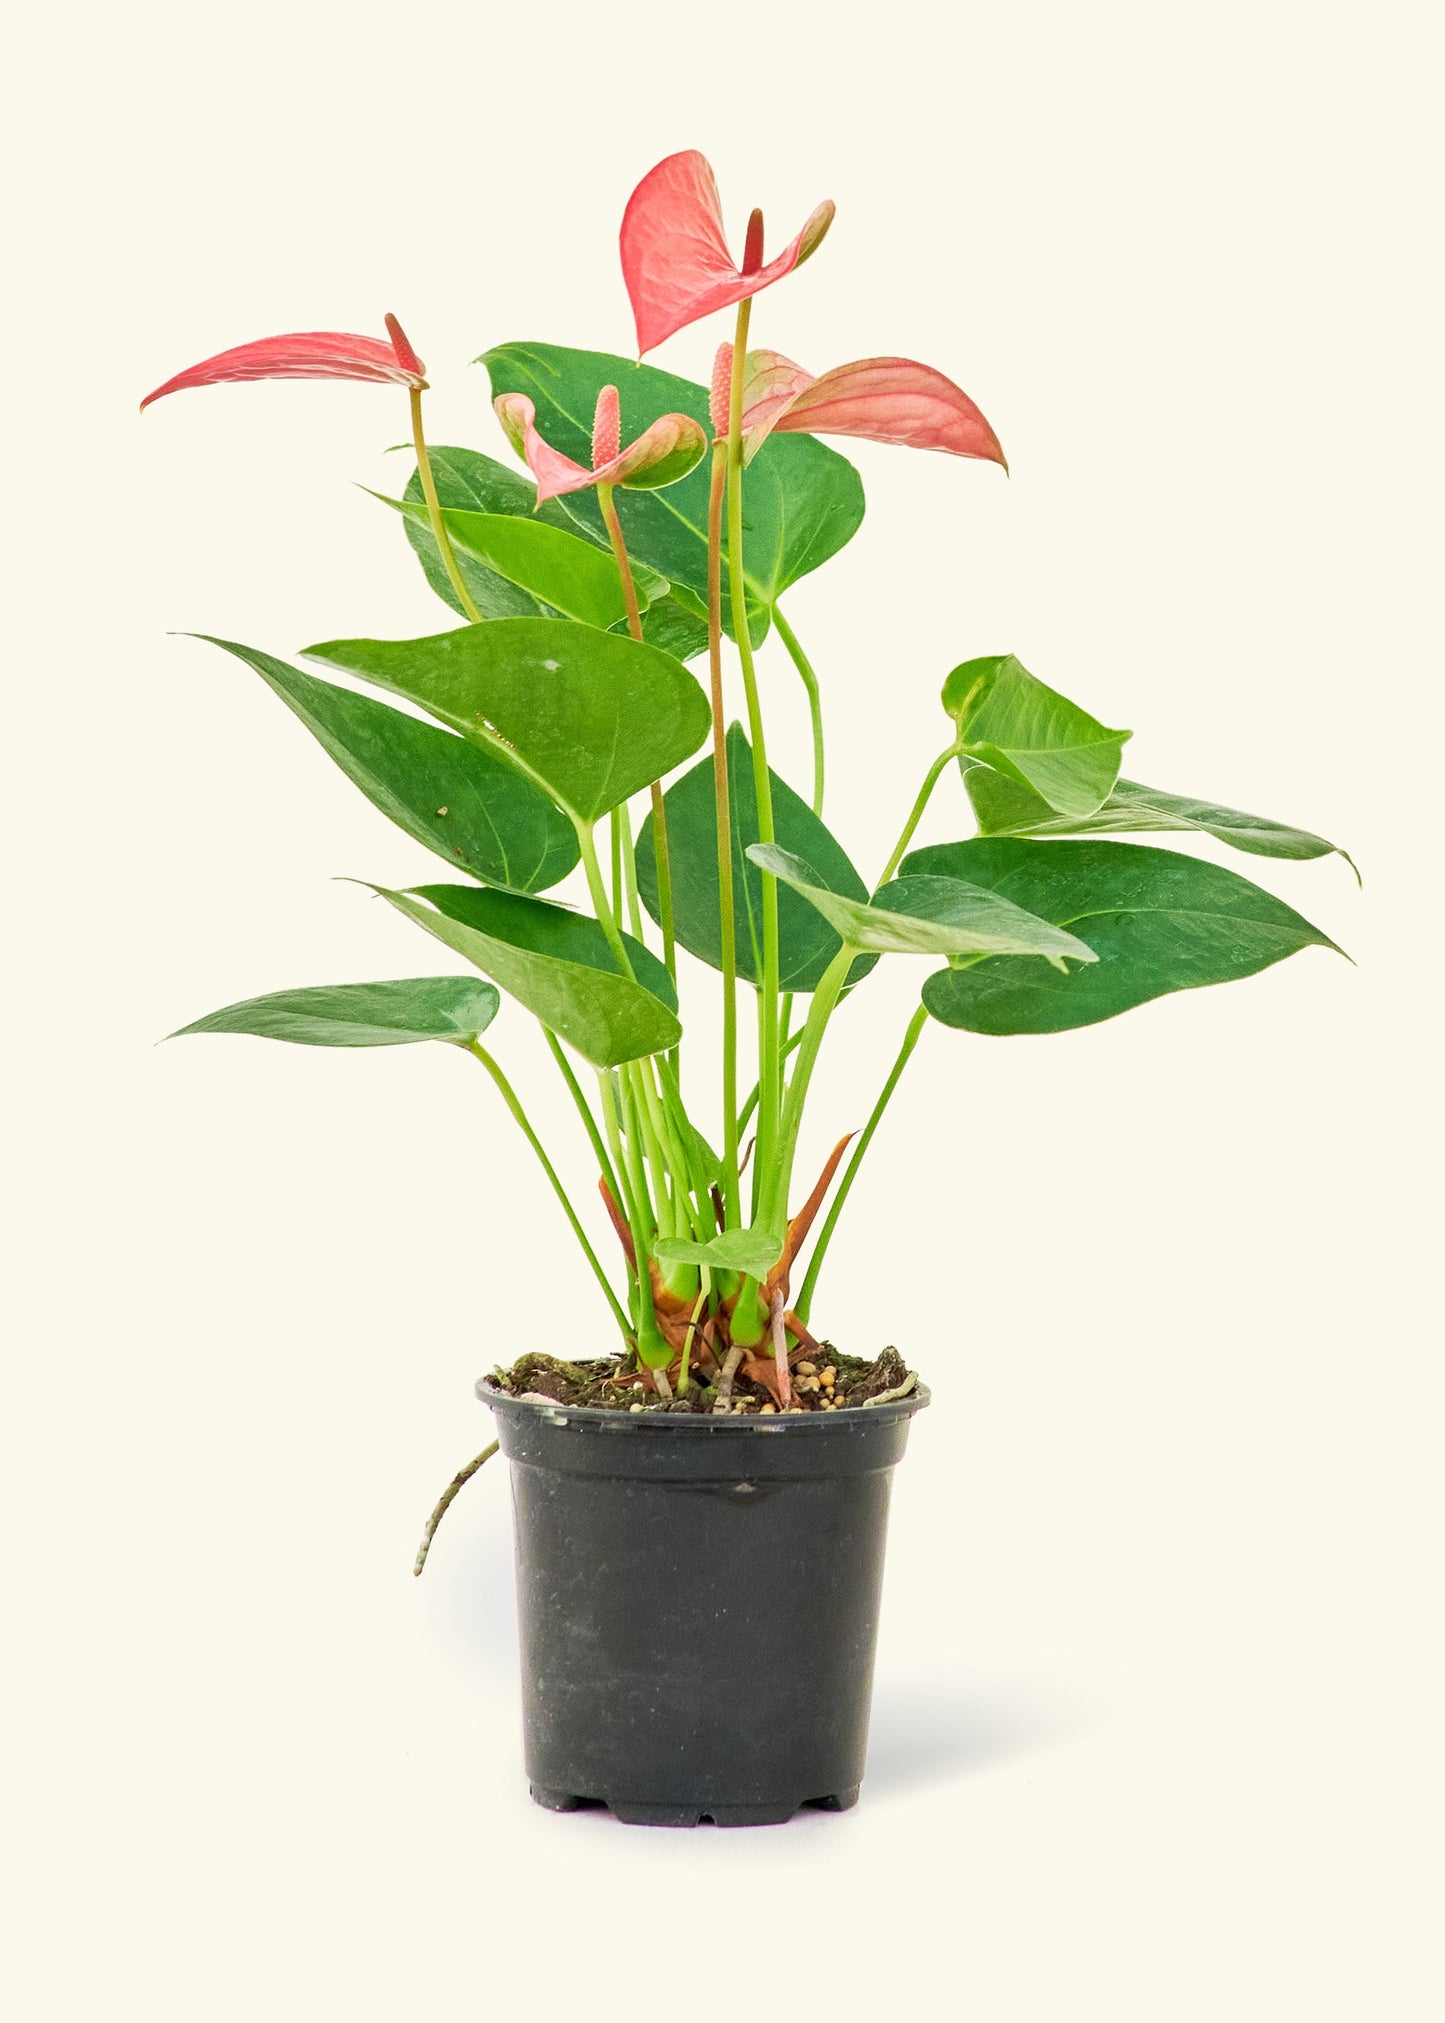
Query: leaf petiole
pixel 509 1097
pixel 803 1304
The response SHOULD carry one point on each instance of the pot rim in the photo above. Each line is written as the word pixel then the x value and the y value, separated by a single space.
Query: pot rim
pixel 701 1425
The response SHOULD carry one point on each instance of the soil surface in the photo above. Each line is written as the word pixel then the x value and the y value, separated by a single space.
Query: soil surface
pixel 826 1381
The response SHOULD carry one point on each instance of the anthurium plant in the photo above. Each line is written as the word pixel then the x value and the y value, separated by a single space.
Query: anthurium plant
pixel 600 817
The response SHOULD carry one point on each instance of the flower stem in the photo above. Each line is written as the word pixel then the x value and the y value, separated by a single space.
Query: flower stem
pixel 509 1097
pixel 608 507
pixel 804 1301
pixel 815 701
pixel 727 919
pixel 769 1069
pixel 434 512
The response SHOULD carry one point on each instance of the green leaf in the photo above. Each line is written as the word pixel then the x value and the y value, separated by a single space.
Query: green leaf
pixel 925 916
pixel 548 929
pixel 559 569
pixel 807 944
pixel 754 1251
pixel 672 627
pixel 801 501
pixel 472 808
pixel 1032 734
pixel 590 717
pixel 452 1008
pixel 1157 921
pixel 604 1015
pixel 1004 808
pixel 467 481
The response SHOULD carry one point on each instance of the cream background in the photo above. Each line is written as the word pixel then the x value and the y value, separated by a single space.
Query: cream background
pixel 1157 1703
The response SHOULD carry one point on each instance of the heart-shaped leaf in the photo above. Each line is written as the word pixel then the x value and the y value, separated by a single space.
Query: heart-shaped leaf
pixel 467 481
pixel 393 1014
pixel 590 717
pixel 548 929
pixel 807 944
pixel 1004 808
pixel 559 568
pixel 1032 734
pixel 470 482
pixel 457 798
pixel 604 1015
pixel 927 916
pixel 802 502
pixel 754 1251
pixel 1158 922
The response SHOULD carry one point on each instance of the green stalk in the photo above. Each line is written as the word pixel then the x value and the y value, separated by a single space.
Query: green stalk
pixel 664 1150
pixel 769 1067
pixel 623 818
pixel 815 701
pixel 698 1194
pixel 774 1206
pixel 651 1346
pixel 803 1304
pixel 916 816
pixel 625 1196
pixel 825 1001
pixel 613 525
pixel 509 1097
pixel 633 1146
pixel 727 920
pixel 584 1111
pixel 650 1149
pixel 434 512
pixel 692 1180
pixel 752 1103
pixel 597 891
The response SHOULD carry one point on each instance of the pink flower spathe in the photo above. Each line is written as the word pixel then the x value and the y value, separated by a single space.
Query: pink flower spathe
pixel 661 455
pixel 675 257
pixel 308 354
pixel 886 400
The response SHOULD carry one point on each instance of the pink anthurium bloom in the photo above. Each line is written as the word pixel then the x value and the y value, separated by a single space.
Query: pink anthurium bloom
pixel 309 354
pixel 661 455
pixel 888 400
pixel 675 258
